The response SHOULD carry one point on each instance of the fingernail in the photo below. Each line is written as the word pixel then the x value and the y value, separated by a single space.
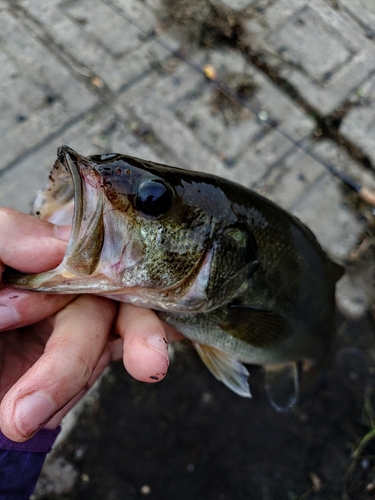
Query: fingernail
pixel 63 232
pixel 9 317
pixel 157 343
pixel 32 412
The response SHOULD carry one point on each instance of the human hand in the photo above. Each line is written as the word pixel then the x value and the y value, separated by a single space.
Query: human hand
pixel 53 347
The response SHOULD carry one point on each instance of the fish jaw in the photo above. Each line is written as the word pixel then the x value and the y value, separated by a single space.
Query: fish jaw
pixel 73 176
pixel 104 249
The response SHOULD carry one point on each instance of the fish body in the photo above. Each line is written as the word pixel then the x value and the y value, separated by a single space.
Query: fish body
pixel 242 278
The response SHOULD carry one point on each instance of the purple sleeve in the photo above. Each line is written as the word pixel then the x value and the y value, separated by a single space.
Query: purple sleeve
pixel 21 463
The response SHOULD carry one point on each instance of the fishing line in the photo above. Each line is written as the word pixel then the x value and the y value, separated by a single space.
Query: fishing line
pixel 261 114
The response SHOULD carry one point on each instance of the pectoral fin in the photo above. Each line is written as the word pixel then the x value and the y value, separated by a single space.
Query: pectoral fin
pixel 257 327
pixel 225 368
pixel 282 384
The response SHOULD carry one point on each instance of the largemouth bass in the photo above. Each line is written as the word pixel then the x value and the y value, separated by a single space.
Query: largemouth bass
pixel 240 277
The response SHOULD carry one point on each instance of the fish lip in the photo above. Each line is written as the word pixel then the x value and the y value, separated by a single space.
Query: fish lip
pixel 65 158
pixel 84 180
pixel 62 151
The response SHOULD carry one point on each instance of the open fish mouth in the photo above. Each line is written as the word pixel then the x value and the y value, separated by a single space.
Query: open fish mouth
pixel 74 184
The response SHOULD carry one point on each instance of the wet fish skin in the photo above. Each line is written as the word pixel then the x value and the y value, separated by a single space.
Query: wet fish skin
pixel 242 278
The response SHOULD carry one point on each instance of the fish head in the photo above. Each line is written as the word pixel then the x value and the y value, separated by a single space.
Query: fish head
pixel 145 232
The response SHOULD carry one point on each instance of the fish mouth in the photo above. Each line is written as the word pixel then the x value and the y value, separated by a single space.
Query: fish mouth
pixel 104 254
pixel 73 182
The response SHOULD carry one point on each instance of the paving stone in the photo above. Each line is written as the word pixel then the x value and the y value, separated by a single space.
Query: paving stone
pixel 102 23
pixel 256 162
pixel 306 33
pixel 135 12
pixel 95 57
pixel 237 4
pixel 293 176
pixel 151 101
pixel 187 150
pixel 363 11
pixel 323 210
pixel 19 185
pixel 245 143
pixel 179 82
pixel 290 179
pixel 358 126
pixel 233 132
pixel 354 292
pixel 315 49
pixel 41 95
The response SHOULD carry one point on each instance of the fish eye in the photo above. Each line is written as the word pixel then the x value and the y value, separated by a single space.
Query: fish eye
pixel 154 198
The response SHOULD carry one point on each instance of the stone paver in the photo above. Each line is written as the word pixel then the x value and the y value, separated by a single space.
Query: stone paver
pixel 107 27
pixel 337 230
pixel 362 11
pixel 39 94
pixel 118 59
pixel 237 4
pixel 229 129
pixel 358 126
pixel 181 111
pixel 315 49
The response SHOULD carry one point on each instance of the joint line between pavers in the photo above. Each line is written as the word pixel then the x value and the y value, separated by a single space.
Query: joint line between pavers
pixel 50 137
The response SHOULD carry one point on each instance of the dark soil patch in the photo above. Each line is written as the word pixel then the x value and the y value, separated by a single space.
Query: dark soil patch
pixel 203 23
pixel 190 438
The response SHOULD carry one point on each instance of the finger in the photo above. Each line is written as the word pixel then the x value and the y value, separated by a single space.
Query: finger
pixel 29 244
pixel 21 307
pixel 71 355
pixel 112 352
pixel 145 343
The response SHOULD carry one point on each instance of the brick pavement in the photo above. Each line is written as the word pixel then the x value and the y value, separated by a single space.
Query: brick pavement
pixel 104 76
